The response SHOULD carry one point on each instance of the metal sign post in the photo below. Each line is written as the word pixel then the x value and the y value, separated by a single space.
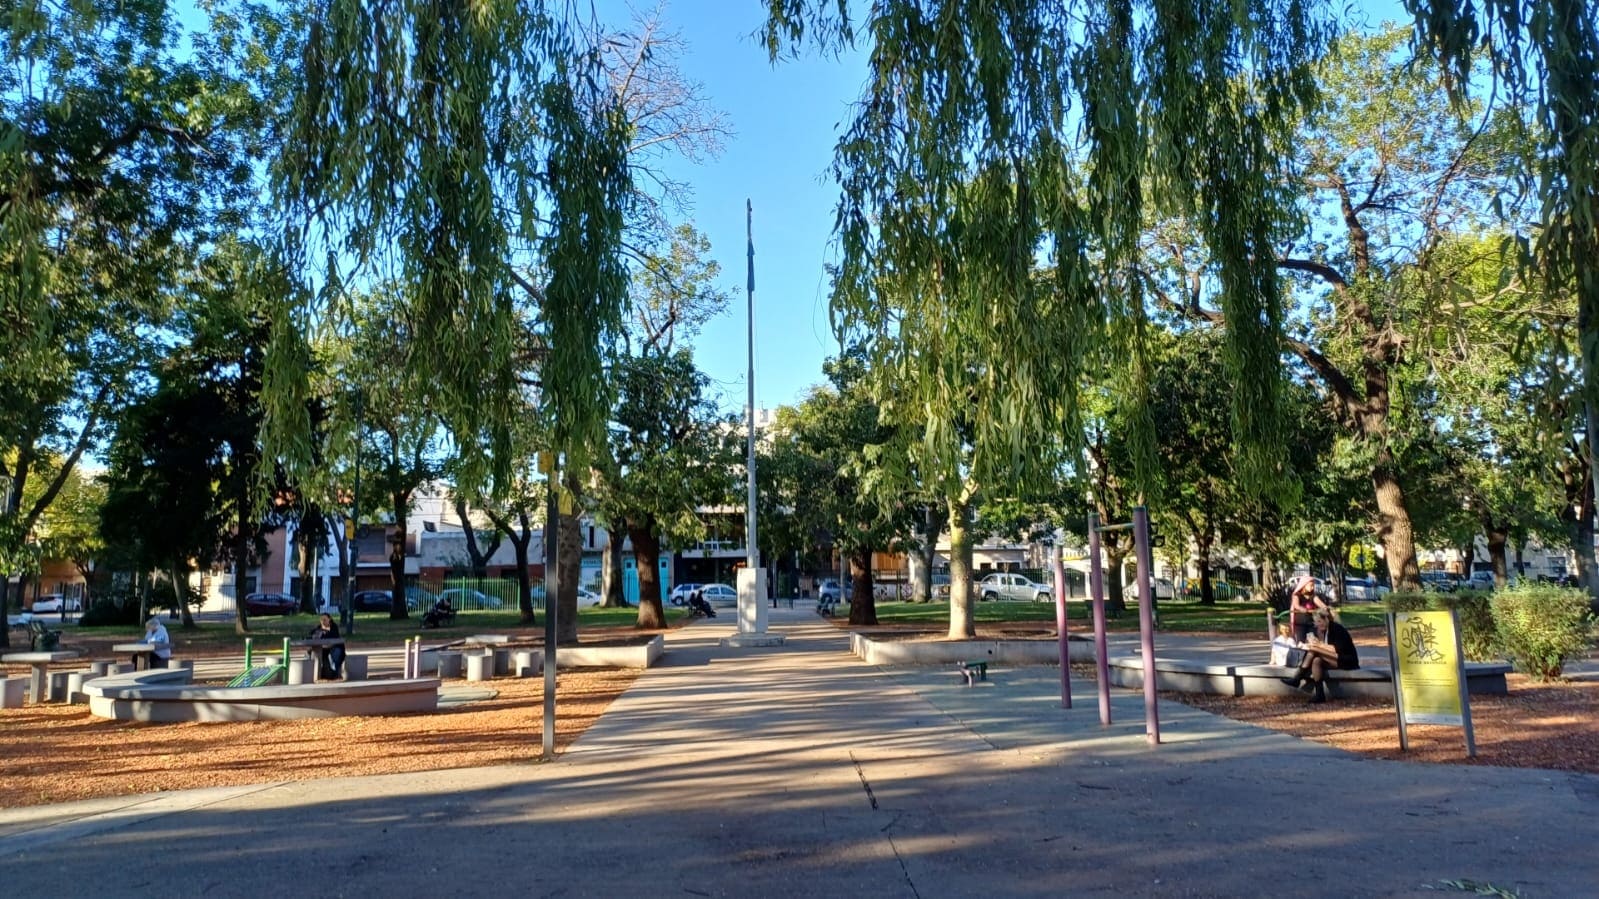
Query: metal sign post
pixel 1429 673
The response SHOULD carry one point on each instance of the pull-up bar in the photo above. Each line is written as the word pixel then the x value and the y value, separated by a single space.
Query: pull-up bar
pixel 1146 619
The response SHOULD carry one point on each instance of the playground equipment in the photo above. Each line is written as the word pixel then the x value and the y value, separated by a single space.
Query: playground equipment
pixel 254 676
pixel 1146 617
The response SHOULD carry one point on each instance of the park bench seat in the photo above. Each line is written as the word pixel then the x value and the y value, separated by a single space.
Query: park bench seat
pixel 42 638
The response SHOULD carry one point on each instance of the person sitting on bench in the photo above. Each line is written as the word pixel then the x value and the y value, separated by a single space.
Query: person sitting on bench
pixel 155 634
pixel 331 657
pixel 1327 648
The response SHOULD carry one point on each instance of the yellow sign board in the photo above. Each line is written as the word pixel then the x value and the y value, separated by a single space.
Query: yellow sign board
pixel 349 528
pixel 1429 673
pixel 1429 669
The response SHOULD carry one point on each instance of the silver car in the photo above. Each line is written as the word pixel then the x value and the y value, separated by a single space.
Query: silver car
pixel 1012 587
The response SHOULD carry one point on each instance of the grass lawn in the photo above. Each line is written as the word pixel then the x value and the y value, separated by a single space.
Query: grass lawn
pixel 1175 615
pixel 369 628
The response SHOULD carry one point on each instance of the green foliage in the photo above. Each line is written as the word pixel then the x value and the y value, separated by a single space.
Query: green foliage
pixel 472 154
pixel 1479 635
pixel 1407 601
pixel 967 162
pixel 1540 627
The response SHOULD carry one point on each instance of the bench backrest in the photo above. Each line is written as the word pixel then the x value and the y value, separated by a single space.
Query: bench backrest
pixel 42 639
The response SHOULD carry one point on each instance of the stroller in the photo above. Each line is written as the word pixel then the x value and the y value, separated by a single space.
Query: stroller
pixel 440 615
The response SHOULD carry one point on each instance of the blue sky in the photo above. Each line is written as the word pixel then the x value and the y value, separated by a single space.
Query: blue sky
pixel 785 117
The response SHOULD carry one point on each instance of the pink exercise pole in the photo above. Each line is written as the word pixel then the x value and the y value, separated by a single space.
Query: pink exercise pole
pixel 1096 593
pixel 1058 568
pixel 1146 623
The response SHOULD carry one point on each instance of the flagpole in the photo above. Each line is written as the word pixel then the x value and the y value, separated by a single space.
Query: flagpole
pixel 751 580
pixel 753 553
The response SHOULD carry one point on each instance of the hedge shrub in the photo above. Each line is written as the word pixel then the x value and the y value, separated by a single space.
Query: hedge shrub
pixel 1540 626
pixel 1479 638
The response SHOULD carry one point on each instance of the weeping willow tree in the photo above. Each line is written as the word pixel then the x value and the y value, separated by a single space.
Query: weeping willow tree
pixel 466 153
pixel 995 141
pixel 1545 54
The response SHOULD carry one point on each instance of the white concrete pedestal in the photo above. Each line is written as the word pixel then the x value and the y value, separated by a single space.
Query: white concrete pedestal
pixel 752 612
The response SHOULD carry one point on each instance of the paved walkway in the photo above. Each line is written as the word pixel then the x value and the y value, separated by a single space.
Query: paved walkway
pixel 799 771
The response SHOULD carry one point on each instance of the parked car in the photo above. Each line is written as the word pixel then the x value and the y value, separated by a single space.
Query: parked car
pixel 1364 589
pixel 679 594
pixel 270 604
pixel 418 599
pixel 1479 580
pixel 719 594
pixel 1163 587
pixel 1012 587
pixel 828 590
pixel 587 597
pixel 464 599
pixel 55 602
pixel 1439 581
pixel 372 601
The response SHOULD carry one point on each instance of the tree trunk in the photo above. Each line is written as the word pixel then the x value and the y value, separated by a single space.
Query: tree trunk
pixel 302 567
pixel 646 559
pixel 962 618
pixel 241 566
pixel 611 574
pixel 1202 544
pixel 479 557
pixel 5 598
pixel 919 580
pixel 180 592
pixel 569 562
pixel 401 503
pixel 342 547
pixel 1497 536
pixel 928 552
pixel 1115 560
pixel 521 541
pixel 863 598
pixel 1393 527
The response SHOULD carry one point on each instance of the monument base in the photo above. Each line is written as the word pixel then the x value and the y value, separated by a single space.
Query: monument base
pixel 739 641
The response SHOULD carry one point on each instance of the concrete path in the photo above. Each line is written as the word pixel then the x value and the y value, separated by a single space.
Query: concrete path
pixel 798 771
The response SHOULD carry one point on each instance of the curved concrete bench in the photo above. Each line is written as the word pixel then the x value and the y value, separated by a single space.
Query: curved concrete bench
pixel 1263 680
pixel 168 696
pixel 873 650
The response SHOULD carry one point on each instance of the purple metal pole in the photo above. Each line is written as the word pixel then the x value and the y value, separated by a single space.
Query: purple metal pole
pixel 1058 568
pixel 1146 623
pixel 1096 592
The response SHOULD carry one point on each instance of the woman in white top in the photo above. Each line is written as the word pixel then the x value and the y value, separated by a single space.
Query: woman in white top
pixel 155 634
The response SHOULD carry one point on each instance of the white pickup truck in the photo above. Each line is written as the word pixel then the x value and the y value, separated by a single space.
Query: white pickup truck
pixel 1012 587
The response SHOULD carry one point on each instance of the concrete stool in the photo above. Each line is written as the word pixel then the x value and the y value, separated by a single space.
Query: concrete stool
pixel 75 682
pixel 56 688
pixel 480 666
pixel 527 663
pixel 355 667
pixel 502 662
pixel 427 663
pixel 13 690
pixel 302 671
pixel 449 664
pixel 186 664
pixel 99 669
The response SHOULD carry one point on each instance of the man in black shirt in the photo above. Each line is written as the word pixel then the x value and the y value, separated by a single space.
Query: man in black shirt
pixel 1329 647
